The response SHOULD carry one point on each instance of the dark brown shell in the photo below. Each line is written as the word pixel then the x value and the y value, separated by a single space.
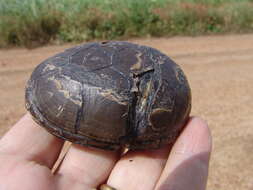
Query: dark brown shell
pixel 110 95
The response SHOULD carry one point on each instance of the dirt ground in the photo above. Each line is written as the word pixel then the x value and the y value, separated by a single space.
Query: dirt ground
pixel 220 72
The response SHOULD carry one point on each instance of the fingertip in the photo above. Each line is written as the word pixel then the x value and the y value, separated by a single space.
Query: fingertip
pixel 189 155
pixel 195 139
pixel 198 121
pixel 198 134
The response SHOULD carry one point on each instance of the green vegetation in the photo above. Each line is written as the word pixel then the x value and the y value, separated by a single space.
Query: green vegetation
pixel 36 22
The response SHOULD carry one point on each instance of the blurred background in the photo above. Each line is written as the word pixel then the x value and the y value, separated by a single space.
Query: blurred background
pixel 212 40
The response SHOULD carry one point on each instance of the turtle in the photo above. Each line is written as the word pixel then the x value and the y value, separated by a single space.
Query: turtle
pixel 110 95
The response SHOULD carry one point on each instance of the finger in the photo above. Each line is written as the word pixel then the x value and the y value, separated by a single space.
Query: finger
pixel 187 166
pixel 139 170
pixel 85 168
pixel 31 142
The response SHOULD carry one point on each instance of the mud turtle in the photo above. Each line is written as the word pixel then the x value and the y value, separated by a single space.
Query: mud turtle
pixel 110 95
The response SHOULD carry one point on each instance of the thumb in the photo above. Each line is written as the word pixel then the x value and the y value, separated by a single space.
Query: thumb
pixel 187 165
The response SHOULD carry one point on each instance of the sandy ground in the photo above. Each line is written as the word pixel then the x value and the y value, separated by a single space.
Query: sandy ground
pixel 220 71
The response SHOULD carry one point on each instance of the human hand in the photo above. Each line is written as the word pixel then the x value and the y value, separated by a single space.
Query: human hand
pixel 28 153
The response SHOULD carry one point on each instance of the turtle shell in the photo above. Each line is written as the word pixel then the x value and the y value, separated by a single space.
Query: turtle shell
pixel 110 95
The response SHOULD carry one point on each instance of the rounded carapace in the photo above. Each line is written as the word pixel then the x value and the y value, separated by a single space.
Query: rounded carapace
pixel 110 95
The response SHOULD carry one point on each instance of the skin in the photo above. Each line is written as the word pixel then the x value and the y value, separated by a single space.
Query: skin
pixel 28 153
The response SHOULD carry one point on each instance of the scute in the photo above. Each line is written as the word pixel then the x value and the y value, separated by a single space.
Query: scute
pixel 92 57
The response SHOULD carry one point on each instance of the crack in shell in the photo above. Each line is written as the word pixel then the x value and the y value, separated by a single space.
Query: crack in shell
pixel 109 94
pixel 48 67
pixel 138 65
pixel 60 109
pixel 65 93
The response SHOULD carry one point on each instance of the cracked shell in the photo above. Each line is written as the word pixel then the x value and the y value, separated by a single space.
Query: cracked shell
pixel 110 95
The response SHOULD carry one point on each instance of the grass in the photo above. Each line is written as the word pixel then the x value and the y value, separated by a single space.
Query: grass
pixel 32 23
